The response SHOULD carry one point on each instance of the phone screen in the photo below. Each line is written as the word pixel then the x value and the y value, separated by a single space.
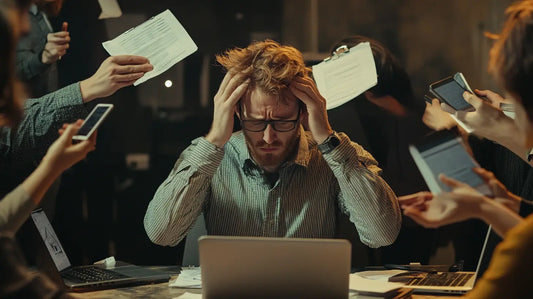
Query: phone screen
pixel 445 153
pixel 92 121
pixel 452 94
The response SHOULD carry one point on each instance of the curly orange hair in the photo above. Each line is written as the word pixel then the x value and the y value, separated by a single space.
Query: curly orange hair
pixel 269 65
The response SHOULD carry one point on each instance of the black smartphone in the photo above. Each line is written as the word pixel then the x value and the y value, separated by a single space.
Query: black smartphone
pixel 449 91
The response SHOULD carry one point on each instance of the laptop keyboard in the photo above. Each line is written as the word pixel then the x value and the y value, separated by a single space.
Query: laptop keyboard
pixel 441 279
pixel 90 274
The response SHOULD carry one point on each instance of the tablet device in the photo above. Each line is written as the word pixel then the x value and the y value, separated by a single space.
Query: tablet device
pixel 444 152
pixel 449 91
pixel 93 121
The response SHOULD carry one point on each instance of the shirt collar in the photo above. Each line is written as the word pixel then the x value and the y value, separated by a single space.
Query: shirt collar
pixel 303 156
pixel 33 9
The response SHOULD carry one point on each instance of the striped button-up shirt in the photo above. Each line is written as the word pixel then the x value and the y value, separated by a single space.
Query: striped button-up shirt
pixel 237 199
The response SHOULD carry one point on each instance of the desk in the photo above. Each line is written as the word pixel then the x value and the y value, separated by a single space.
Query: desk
pixel 163 291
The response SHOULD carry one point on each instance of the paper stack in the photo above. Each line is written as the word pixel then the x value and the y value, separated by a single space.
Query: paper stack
pixel 361 287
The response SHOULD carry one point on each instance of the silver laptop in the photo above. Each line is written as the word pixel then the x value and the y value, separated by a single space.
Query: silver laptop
pixel 259 267
pixel 52 259
pixel 443 282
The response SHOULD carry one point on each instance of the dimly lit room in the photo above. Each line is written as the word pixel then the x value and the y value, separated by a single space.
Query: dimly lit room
pixel 288 149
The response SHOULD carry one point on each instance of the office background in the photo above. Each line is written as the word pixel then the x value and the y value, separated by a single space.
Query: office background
pixel 102 200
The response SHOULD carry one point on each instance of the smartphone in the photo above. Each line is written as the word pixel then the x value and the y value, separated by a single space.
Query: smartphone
pixel 93 121
pixel 449 91
pixel 444 152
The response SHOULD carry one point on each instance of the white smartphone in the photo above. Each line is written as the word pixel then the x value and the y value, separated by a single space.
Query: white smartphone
pixel 93 121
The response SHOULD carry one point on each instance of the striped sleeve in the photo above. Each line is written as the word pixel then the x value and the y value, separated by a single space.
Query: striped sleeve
pixel 364 196
pixel 179 199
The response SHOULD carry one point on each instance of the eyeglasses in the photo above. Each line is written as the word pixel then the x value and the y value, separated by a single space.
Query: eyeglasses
pixel 277 125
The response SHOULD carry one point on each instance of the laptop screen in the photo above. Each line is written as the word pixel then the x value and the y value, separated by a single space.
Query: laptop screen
pixel 47 233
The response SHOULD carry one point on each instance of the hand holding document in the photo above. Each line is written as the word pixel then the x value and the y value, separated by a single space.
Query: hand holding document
pixel 161 39
pixel 346 75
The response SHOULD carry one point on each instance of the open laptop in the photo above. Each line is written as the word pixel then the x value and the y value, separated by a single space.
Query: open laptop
pixel 443 282
pixel 52 259
pixel 260 267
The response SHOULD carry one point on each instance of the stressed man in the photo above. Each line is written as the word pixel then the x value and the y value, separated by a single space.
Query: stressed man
pixel 273 178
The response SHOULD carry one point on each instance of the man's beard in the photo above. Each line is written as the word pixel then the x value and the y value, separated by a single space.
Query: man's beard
pixel 269 161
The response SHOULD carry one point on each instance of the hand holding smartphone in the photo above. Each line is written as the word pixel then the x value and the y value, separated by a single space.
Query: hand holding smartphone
pixel 93 121
pixel 450 91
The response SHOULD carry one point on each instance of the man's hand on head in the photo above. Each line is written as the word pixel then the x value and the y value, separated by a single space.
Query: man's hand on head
pixel 317 119
pixel 114 73
pixel 229 93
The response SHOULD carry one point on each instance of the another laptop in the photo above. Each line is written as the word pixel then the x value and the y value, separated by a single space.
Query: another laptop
pixel 260 267
pixel 443 282
pixel 52 259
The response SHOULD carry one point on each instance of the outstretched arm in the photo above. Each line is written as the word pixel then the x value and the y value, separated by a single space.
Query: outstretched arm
pixel 17 205
pixel 464 202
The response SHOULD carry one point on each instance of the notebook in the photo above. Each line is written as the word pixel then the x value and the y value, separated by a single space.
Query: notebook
pixel 52 259
pixel 442 282
pixel 260 267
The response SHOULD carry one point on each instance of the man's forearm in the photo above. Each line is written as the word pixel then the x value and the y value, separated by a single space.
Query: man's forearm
pixel 180 198
pixel 366 197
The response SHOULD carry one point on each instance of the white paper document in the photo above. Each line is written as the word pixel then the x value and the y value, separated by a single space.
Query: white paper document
pixel 189 277
pixel 110 9
pixel 161 39
pixel 346 75
pixel 365 285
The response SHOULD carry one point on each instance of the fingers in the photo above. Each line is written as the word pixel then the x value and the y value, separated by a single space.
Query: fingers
pixel 415 199
pixel 447 108
pixel 490 95
pixel 67 132
pixel 132 69
pixel 234 88
pixel 419 218
pixel 472 100
pixel 128 59
pixel 64 26
pixel 305 89
pixel 452 183
pixel 127 79
pixel 58 37
pixel 225 82
pixel 238 93
pixel 484 174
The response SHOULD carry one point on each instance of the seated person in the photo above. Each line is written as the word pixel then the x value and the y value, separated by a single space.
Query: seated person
pixel 511 269
pixel 272 179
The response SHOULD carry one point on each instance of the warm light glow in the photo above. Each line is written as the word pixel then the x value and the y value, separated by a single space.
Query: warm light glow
pixel 168 83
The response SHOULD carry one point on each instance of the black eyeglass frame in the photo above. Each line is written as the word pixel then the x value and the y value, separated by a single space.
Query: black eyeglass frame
pixel 272 123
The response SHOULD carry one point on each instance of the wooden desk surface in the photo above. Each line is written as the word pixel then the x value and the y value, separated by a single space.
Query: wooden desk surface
pixel 163 291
